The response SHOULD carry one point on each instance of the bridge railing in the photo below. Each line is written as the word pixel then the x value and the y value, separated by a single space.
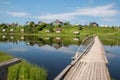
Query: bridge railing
pixel 81 46
pixel 4 67
pixel 62 74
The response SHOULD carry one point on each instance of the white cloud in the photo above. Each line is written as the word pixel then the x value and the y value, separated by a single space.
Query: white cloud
pixel 5 3
pixel 108 19
pixel 99 11
pixel 64 16
pixel 18 14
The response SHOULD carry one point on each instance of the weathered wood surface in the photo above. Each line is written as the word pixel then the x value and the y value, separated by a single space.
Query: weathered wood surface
pixel 8 63
pixel 91 66
pixel 75 58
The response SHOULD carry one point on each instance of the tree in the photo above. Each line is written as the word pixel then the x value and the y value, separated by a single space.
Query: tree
pixel 41 26
pixel 4 26
pixel 67 23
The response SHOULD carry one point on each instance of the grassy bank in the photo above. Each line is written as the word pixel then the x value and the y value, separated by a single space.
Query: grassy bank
pixel 23 70
pixel 68 31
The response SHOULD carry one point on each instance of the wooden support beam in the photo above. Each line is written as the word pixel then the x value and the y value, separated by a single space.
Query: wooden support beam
pixel 8 63
pixel 4 67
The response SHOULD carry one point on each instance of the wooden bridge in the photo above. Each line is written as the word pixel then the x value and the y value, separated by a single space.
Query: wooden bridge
pixel 90 65
pixel 4 67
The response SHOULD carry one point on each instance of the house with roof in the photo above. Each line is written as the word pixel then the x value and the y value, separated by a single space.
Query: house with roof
pixel 93 24
pixel 57 22
pixel 76 32
pixel 3 30
pixel 11 30
pixel 22 30
pixel 58 30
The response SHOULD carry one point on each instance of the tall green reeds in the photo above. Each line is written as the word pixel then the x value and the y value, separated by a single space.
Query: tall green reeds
pixel 24 70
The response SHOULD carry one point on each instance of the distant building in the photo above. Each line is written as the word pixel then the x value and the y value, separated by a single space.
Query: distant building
pixel 22 30
pixel 57 22
pixel 11 30
pixel 22 37
pixel 27 23
pixel 76 32
pixel 58 30
pixel 47 31
pixel 4 36
pixel 76 39
pixel 94 24
pixel 11 37
pixel 3 30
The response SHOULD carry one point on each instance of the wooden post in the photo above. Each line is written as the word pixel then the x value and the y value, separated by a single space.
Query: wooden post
pixel 4 67
pixel 3 74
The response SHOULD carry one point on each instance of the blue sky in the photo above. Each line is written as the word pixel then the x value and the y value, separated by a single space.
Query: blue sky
pixel 104 12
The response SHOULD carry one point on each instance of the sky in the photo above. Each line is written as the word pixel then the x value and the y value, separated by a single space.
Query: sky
pixel 104 12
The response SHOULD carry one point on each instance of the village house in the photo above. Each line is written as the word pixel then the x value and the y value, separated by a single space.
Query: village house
pixel 47 31
pixel 57 22
pixel 22 37
pixel 76 32
pixel 4 36
pixel 27 23
pixel 3 30
pixel 76 39
pixel 58 30
pixel 22 30
pixel 47 38
pixel 11 30
pixel 94 24
pixel 11 37
pixel 57 46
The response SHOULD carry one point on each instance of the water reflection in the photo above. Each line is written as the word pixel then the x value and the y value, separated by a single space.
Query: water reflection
pixel 54 53
pixel 56 42
pixel 113 55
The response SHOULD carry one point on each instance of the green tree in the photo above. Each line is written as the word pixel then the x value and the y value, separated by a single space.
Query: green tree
pixel 41 26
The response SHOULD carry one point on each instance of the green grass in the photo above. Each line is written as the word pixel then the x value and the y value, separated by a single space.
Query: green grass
pixel 68 31
pixel 23 70
pixel 4 57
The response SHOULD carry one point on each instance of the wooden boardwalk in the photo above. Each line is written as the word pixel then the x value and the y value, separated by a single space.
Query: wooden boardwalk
pixel 90 66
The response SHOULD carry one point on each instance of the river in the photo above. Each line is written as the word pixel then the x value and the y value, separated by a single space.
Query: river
pixel 54 53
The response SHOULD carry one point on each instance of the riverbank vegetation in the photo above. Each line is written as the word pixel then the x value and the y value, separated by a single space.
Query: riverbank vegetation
pixel 58 28
pixel 23 70
pixel 57 31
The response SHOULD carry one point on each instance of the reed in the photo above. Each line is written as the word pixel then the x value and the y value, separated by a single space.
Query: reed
pixel 23 70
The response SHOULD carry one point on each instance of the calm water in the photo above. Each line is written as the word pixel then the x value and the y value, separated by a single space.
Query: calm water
pixel 54 53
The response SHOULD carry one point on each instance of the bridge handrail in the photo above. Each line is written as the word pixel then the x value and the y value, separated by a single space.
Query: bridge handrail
pixel 83 42
pixel 84 52
pixel 4 67
pixel 62 74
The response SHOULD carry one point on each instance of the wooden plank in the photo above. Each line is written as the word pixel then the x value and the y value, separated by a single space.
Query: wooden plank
pixel 92 72
pixel 105 72
pixel 93 65
pixel 8 63
pixel 80 71
pixel 87 72
pixel 62 73
pixel 95 71
pixel 4 67
pixel 72 71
